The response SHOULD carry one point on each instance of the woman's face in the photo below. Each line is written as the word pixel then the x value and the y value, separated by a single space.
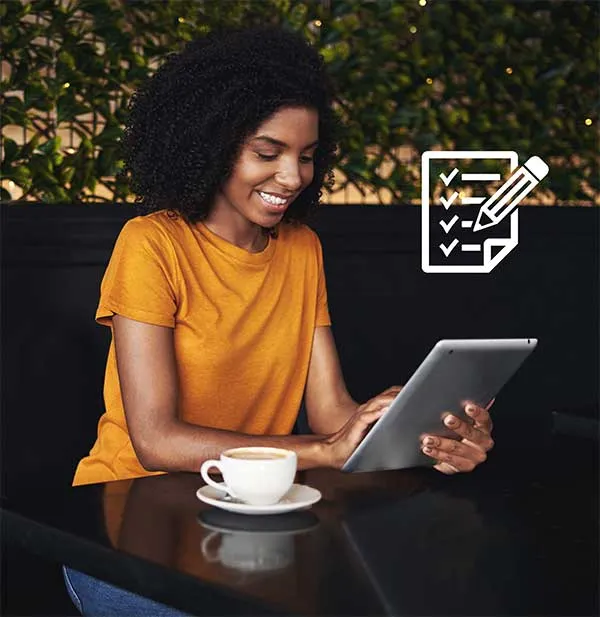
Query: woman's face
pixel 275 165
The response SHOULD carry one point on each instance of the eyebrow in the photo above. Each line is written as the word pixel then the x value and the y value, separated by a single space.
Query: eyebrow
pixel 277 142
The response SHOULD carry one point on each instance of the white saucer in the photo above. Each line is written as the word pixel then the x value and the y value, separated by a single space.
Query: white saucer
pixel 252 532
pixel 298 497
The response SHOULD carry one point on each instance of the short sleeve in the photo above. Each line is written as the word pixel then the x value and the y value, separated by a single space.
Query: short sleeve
pixel 322 318
pixel 139 281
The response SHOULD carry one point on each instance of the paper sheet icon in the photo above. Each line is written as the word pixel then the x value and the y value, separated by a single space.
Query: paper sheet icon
pixel 449 180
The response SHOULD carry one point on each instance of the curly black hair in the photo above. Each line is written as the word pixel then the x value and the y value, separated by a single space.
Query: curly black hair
pixel 186 125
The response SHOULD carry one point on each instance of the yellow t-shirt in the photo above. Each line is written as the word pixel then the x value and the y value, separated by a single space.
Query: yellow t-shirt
pixel 243 328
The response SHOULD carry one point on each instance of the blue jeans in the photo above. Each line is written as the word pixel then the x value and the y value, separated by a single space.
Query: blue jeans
pixel 93 597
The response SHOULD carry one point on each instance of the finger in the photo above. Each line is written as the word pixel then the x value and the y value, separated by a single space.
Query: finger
pixel 445 468
pixel 480 416
pixel 457 462
pixel 393 390
pixel 369 416
pixel 378 402
pixel 391 393
pixel 386 398
pixel 476 436
pixel 363 421
pixel 460 449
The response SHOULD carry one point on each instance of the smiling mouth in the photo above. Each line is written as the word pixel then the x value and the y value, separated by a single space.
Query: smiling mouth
pixel 272 204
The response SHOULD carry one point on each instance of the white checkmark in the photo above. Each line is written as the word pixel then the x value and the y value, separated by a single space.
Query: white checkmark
pixel 448 226
pixel 448 249
pixel 447 179
pixel 448 202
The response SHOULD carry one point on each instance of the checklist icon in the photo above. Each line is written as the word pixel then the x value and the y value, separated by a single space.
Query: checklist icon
pixel 467 240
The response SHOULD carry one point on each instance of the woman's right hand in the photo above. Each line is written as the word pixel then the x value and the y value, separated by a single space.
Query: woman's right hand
pixel 340 445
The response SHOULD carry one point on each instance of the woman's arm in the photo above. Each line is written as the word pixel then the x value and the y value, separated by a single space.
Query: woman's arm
pixel 149 387
pixel 328 403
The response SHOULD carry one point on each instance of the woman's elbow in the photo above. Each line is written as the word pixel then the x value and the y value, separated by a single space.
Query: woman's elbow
pixel 149 460
pixel 148 452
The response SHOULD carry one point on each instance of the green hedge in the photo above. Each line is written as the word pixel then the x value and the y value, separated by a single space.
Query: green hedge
pixel 463 74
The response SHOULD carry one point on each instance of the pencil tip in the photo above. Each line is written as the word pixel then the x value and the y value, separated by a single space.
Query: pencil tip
pixel 483 220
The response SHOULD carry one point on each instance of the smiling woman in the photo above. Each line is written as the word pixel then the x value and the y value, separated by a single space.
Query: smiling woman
pixel 216 294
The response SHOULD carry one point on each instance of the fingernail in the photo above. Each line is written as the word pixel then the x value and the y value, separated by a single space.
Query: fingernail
pixel 470 409
pixel 427 450
pixel 429 441
pixel 450 421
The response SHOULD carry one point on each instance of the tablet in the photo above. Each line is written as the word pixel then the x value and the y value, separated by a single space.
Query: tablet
pixel 454 372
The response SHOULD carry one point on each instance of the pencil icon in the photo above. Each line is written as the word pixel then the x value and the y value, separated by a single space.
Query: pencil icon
pixel 508 196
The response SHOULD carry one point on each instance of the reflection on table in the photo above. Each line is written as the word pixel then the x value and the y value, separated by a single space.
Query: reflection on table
pixel 518 536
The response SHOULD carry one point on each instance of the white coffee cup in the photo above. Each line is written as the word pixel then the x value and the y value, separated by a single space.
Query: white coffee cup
pixel 257 475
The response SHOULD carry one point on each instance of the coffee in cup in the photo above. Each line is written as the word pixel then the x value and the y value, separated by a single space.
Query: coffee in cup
pixel 257 475
pixel 248 454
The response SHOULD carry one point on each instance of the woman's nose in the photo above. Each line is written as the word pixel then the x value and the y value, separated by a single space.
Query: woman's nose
pixel 289 177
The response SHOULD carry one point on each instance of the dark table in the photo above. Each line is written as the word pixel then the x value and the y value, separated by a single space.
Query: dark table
pixel 519 536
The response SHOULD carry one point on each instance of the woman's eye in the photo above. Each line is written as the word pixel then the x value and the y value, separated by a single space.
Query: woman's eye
pixel 272 157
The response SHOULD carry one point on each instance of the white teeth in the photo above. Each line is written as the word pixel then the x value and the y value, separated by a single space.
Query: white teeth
pixel 276 201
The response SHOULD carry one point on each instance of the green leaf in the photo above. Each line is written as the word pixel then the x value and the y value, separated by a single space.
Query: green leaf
pixel 106 162
pixel 51 146
pixel 20 73
pixel 85 146
pixel 68 109
pixel 13 111
pixel 10 149
pixel 108 136
pixel 59 194
pixel 67 58
pixel 65 174
pixel 139 60
pixel 28 148
pixel 40 164
pixel 20 175
pixel 35 96
pixel 41 6
pixel 89 180
pixel 45 54
pixel 8 35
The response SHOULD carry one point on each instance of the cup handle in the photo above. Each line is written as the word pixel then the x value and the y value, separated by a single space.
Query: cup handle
pixel 206 547
pixel 204 473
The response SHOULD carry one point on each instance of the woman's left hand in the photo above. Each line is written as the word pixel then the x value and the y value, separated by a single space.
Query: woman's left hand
pixel 463 454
